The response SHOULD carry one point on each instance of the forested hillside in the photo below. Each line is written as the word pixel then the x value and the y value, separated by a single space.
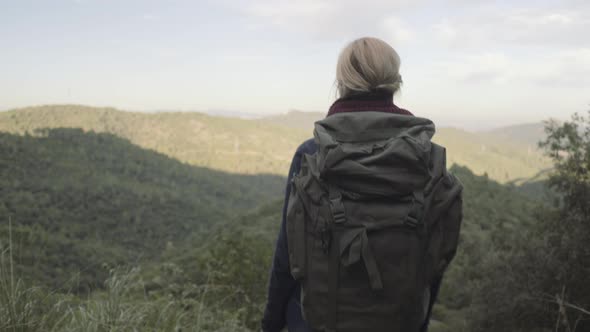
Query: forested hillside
pixel 228 144
pixel 81 202
pixel 261 145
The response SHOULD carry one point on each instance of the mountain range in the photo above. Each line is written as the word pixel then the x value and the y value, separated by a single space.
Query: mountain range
pixel 266 145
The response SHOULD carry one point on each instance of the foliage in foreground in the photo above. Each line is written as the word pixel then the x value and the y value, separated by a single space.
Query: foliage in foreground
pixel 219 285
pixel 542 283
pixel 124 305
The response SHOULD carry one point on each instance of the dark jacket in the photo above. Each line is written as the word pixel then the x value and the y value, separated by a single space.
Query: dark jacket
pixel 283 307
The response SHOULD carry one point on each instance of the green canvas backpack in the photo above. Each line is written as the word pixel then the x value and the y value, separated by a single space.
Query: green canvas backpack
pixel 373 218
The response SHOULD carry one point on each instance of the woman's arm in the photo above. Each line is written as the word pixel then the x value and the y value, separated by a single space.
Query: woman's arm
pixel 281 283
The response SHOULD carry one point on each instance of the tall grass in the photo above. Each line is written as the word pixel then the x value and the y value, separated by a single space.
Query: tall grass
pixel 123 306
pixel 20 306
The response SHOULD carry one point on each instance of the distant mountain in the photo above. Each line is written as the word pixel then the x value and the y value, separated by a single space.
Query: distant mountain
pixel 497 158
pixel 528 134
pixel 259 145
pixel 496 153
pixel 296 119
pixel 83 202
pixel 228 144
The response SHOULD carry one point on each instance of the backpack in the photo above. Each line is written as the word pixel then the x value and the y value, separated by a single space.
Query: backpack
pixel 373 219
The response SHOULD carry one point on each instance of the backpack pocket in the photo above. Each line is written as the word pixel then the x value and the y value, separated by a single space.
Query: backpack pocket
pixel 296 226
pixel 398 306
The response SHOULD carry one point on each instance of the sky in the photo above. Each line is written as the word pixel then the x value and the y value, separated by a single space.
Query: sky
pixel 466 63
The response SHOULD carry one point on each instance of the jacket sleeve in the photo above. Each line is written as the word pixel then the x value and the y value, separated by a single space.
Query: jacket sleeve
pixel 434 288
pixel 281 283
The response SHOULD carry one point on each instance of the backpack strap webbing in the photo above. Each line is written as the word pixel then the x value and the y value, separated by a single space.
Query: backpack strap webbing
pixel 334 271
pixel 338 217
pixel 352 243
pixel 354 246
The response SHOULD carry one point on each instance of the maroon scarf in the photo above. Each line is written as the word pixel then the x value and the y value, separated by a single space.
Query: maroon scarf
pixel 374 101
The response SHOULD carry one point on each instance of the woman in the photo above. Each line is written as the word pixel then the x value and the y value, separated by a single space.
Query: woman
pixel 367 77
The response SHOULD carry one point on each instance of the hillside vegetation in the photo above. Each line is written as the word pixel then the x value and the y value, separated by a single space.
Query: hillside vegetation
pixel 227 144
pixel 224 270
pixel 262 145
pixel 81 202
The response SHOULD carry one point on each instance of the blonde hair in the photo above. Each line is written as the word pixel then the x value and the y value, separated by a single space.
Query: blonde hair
pixel 367 64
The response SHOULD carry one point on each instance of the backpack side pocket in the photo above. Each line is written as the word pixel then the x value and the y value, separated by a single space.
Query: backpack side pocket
pixel 296 233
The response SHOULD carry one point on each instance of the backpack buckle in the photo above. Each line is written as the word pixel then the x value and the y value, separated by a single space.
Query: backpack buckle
pixel 414 218
pixel 336 205
pixel 337 208
pixel 411 221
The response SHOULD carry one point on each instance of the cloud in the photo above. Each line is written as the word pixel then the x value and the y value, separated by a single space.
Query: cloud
pixel 149 17
pixel 283 13
pixel 493 26
pixel 559 69
pixel 455 23
pixel 486 68
pixel 470 43
pixel 445 31
pixel 567 68
pixel 333 19
pixel 397 30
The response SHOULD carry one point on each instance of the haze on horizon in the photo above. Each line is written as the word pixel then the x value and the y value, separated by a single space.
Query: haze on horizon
pixel 471 64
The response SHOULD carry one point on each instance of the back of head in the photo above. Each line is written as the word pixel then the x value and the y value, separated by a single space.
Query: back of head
pixel 365 65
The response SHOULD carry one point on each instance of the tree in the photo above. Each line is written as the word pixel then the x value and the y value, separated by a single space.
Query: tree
pixel 541 283
pixel 568 145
